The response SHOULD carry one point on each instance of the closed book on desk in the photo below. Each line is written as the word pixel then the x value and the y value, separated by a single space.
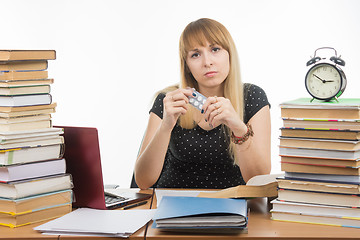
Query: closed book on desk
pixel 33 203
pixel 334 178
pixel 31 187
pixel 323 162
pixel 23 65
pixel 338 221
pixel 23 75
pixel 324 124
pixel 26 108
pixel 344 145
pixel 8 136
pixel 32 170
pixel 321 169
pixel 195 213
pixel 40 215
pixel 22 83
pixel 23 126
pixel 24 90
pixel 8 112
pixel 32 142
pixel 328 187
pixel 315 209
pixel 319 153
pixel 17 55
pixel 21 119
pixel 344 108
pixel 320 133
pixel 31 154
pixel 334 199
pixel 25 100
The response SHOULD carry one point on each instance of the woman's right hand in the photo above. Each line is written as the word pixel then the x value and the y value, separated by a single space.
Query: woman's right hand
pixel 175 104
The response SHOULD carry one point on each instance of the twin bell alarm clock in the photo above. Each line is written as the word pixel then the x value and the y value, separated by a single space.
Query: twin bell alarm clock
pixel 325 80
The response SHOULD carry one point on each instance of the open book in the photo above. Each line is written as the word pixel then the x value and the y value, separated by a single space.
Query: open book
pixel 258 186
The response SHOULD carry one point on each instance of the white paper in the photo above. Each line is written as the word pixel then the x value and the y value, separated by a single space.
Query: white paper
pixel 99 222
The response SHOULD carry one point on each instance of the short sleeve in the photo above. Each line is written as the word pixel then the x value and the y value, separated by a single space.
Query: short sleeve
pixel 254 99
pixel 157 107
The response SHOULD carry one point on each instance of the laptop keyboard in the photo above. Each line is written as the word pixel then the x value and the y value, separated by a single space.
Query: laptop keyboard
pixel 112 199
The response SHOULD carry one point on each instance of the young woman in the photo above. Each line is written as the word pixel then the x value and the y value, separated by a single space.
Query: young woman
pixel 224 144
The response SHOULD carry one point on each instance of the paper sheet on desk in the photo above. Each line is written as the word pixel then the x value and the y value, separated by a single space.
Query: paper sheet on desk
pixel 178 193
pixel 93 222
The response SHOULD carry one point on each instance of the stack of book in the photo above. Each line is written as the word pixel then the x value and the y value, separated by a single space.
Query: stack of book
pixel 320 154
pixel 33 183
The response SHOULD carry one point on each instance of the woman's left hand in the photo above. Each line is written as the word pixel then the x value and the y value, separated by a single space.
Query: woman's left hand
pixel 219 110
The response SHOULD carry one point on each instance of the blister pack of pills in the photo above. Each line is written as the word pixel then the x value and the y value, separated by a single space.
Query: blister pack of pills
pixel 197 100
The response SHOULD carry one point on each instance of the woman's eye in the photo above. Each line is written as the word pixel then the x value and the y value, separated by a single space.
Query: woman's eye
pixel 194 55
pixel 216 49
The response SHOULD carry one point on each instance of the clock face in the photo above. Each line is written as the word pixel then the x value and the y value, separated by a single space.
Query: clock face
pixel 323 81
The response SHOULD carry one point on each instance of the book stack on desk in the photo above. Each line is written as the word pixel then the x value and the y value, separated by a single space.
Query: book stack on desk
pixel 33 183
pixel 320 154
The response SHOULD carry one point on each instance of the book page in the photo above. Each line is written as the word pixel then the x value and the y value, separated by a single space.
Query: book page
pixel 263 179
pixel 258 186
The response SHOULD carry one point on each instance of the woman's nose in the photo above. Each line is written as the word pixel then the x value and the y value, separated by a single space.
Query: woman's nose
pixel 208 61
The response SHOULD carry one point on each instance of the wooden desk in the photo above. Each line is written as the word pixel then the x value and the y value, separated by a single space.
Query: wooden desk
pixel 25 232
pixel 260 226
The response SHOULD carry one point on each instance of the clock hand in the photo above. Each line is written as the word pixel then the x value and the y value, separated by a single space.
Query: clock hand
pixel 329 81
pixel 319 78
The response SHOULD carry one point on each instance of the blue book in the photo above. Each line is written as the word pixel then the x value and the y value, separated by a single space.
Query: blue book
pixel 333 178
pixel 195 213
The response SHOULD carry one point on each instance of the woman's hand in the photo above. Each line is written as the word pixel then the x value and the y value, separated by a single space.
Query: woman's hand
pixel 219 110
pixel 175 104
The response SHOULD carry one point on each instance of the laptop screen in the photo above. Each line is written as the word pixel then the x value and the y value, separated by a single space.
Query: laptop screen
pixel 83 162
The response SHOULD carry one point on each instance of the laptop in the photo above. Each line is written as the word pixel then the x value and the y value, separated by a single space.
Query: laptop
pixel 83 162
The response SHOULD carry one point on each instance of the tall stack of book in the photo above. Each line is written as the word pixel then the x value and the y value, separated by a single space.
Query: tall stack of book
pixel 320 154
pixel 33 184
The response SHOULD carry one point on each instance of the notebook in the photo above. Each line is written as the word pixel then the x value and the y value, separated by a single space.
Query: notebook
pixel 196 214
pixel 83 162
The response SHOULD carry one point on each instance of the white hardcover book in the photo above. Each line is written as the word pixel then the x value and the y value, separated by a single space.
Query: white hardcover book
pixel 12 120
pixel 32 170
pixel 26 155
pixel 317 209
pixel 319 153
pixel 33 142
pixel 16 135
pixel 316 219
pixel 25 126
pixel 32 187
pixel 25 100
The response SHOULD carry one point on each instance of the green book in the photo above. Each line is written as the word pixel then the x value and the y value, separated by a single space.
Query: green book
pixel 353 103
pixel 343 108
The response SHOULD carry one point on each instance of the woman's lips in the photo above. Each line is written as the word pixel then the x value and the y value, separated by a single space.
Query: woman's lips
pixel 210 74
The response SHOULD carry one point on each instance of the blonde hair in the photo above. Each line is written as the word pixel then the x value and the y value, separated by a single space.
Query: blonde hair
pixel 198 33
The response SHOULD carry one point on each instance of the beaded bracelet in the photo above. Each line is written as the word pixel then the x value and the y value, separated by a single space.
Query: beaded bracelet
pixel 241 140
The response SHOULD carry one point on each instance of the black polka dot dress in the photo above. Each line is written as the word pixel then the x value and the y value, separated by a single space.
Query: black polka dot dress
pixel 197 158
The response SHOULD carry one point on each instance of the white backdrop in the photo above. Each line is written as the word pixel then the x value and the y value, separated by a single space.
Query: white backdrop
pixel 113 55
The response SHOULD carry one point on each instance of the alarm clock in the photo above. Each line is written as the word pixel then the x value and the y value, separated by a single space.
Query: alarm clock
pixel 325 80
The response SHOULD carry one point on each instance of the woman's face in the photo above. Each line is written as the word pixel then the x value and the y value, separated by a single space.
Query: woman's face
pixel 209 64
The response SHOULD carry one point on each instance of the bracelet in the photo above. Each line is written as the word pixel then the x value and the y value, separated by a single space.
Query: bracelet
pixel 241 140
